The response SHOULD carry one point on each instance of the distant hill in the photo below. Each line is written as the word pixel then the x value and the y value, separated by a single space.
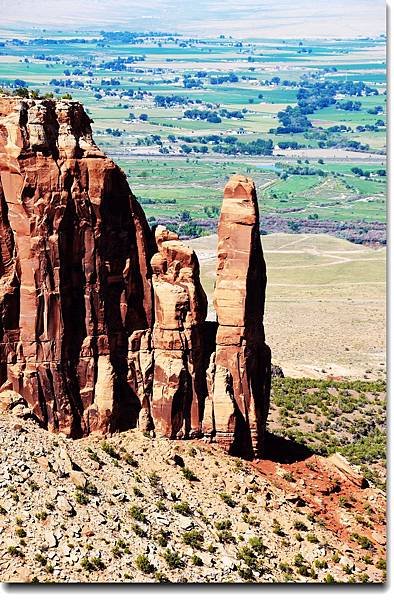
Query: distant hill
pixel 254 18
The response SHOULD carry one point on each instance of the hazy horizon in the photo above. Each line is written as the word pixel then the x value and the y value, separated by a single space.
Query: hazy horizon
pixel 253 18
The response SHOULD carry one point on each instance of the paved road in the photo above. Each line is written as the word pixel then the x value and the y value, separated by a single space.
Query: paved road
pixel 264 161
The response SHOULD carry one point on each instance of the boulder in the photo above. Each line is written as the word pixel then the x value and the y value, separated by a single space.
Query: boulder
pixel 347 470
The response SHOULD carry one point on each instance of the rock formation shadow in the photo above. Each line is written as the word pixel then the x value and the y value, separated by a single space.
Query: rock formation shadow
pixel 283 451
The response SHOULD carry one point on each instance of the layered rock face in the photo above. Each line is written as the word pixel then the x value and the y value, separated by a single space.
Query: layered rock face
pixel 103 323
pixel 74 267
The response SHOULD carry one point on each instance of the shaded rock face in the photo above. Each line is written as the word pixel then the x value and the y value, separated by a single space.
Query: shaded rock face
pixel 103 323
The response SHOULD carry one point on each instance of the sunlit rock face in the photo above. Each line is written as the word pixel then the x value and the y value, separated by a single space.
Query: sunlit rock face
pixel 241 372
pixel 180 303
pixel 103 323
pixel 75 274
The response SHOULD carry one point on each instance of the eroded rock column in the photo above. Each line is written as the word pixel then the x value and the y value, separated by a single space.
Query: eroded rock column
pixel 241 370
pixel 180 303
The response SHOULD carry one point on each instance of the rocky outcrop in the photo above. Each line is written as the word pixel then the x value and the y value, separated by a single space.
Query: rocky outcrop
pixel 75 273
pixel 103 324
pixel 180 303
pixel 242 366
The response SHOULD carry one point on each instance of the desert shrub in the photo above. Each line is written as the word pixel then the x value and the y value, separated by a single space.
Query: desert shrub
pixel 94 456
pixel 110 450
pixel 189 475
pixel 251 520
pixel 138 530
pixel 161 578
pixel 137 513
pixel 160 505
pixel 88 488
pixel 304 570
pixel 381 564
pixel 226 537
pixel 223 525
pixel 81 498
pixel 41 559
pixel 15 551
pixel 93 564
pixel 20 532
pixel 173 559
pixel 246 573
pixel 154 478
pixel 364 542
pixel 227 499
pixel 42 515
pixel 277 528
pixel 143 564
pixel 193 538
pixel 257 545
pixel 300 526
pixel 321 564
pixel 120 548
pixel 298 560
pixel 130 460
pixel 163 537
pixel 183 508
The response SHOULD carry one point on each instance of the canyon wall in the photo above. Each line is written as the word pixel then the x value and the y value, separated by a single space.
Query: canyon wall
pixel 102 321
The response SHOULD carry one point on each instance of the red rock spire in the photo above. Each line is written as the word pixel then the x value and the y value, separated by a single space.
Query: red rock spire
pixel 242 367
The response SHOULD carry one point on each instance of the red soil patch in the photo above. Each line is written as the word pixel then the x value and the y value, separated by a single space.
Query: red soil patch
pixel 343 507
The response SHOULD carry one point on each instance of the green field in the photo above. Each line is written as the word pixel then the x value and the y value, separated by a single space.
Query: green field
pixel 118 79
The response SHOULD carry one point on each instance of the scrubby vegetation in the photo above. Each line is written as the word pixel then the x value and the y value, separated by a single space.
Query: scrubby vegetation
pixel 335 416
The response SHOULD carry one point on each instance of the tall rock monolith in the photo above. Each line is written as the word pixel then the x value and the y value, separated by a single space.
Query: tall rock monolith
pixel 242 365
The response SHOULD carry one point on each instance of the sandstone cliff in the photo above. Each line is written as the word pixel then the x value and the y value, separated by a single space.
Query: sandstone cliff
pixel 75 274
pixel 103 324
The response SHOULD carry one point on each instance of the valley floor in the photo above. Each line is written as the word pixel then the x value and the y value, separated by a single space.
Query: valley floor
pixel 325 311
